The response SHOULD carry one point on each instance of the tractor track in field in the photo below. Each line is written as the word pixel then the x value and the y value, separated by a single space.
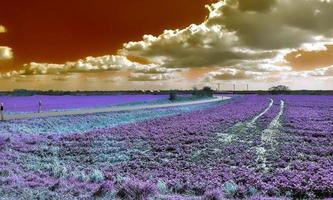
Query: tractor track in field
pixel 262 142
pixel 242 133
pixel 268 139
pixel 241 129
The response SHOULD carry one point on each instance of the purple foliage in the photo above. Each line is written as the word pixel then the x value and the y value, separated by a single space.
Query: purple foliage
pixel 135 189
pixel 4 141
pixel 213 195
pixel 195 154
pixel 30 103
pixel 103 189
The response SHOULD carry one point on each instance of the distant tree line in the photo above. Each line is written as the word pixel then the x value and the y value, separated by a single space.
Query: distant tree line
pixel 207 91
pixel 204 92
pixel 280 89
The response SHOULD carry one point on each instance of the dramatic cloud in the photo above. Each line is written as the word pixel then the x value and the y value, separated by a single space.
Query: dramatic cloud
pixel 275 24
pixel 195 46
pixel 238 32
pixel 307 60
pixel 5 53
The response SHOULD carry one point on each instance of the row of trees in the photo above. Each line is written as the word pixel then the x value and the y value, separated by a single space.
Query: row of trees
pixel 203 93
pixel 208 92
pixel 280 89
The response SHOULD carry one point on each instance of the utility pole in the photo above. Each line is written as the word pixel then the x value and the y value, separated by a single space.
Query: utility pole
pixel 219 87
pixel 247 87
pixel 234 86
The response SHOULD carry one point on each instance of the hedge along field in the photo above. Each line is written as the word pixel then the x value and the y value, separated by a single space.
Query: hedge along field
pixel 30 103
pixel 251 147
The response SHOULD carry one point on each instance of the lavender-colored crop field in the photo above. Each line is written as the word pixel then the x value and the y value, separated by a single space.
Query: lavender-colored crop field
pixel 249 147
pixel 30 103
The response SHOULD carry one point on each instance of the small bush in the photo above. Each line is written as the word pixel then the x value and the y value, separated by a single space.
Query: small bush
pixel 173 96
pixel 54 186
pixel 280 89
pixel 81 176
pixel 252 191
pixel 96 176
pixel 230 189
pixel 54 151
pixel 57 170
pixel 103 189
pixel 204 92
pixel 207 92
pixel 46 195
pixel 4 141
pixel 162 187
pixel 137 190
pixel 213 195
pixel 4 173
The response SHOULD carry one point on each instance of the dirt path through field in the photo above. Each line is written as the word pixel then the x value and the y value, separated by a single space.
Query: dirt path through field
pixel 109 109
pixel 254 120
pixel 241 129
pixel 268 139
pixel 263 142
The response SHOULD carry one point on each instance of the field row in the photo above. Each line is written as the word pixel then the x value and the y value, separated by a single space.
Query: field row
pixel 19 104
pixel 277 146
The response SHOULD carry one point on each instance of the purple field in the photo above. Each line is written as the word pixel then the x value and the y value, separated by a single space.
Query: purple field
pixel 30 103
pixel 249 147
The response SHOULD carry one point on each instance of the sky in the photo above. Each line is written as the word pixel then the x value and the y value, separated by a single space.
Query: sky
pixel 166 44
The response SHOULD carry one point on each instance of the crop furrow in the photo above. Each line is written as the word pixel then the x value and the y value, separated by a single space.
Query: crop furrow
pixel 242 130
pixel 268 139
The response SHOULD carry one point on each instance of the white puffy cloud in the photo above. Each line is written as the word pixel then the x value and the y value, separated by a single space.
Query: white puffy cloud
pixel 149 77
pixel 154 69
pixel 137 71
pixel 320 72
pixel 194 46
pixel 241 74
pixel 89 64
pixel 154 73
pixel 185 48
pixel 5 53
pixel 3 29
pixel 42 68
pixel 103 63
